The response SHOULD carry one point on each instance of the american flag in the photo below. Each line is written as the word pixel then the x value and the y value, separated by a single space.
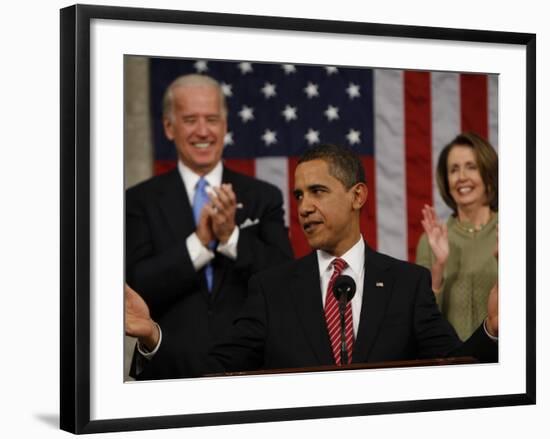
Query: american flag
pixel 396 120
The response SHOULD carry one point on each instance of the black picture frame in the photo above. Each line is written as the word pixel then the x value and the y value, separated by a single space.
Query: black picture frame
pixel 75 216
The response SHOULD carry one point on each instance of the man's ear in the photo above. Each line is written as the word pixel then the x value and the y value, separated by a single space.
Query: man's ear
pixel 168 128
pixel 360 194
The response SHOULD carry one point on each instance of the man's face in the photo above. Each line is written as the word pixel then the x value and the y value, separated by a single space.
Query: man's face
pixel 327 211
pixel 197 126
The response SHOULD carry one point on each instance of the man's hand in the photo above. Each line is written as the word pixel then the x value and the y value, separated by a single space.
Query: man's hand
pixel 492 302
pixel 495 250
pixel 492 311
pixel 204 227
pixel 223 206
pixel 137 321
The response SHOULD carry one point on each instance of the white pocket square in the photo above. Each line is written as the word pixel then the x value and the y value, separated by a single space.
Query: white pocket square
pixel 248 222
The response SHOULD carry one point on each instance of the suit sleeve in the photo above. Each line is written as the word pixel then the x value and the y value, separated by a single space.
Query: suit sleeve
pixel 265 244
pixel 168 363
pixel 437 338
pixel 242 349
pixel 161 277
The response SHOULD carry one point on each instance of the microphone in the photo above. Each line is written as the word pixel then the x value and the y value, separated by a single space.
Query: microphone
pixel 343 289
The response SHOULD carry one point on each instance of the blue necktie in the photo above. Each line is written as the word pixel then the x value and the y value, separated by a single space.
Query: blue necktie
pixel 199 200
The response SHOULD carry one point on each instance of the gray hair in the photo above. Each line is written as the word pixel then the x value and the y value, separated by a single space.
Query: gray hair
pixel 191 80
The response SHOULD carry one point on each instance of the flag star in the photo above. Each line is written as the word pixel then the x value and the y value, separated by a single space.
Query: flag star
pixel 353 90
pixel 331 69
pixel 289 113
pixel 269 90
pixel 246 113
pixel 201 66
pixel 311 90
pixel 332 113
pixel 269 137
pixel 227 89
pixel 245 67
pixel 353 136
pixel 228 138
pixel 289 68
pixel 312 136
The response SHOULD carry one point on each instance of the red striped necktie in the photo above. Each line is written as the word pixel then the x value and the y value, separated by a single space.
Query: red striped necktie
pixel 332 316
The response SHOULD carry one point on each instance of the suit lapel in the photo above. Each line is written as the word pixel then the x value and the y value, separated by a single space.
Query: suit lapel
pixel 377 289
pixel 306 293
pixel 176 207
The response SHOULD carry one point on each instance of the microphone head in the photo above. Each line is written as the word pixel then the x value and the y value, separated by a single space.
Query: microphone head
pixel 344 286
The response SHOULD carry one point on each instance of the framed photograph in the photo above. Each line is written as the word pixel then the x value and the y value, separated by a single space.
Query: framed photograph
pixel 421 86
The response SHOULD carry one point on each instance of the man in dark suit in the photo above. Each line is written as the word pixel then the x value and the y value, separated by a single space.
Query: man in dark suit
pixel 195 235
pixel 287 322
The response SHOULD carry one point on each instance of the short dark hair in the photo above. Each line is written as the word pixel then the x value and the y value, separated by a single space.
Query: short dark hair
pixel 343 163
pixel 487 161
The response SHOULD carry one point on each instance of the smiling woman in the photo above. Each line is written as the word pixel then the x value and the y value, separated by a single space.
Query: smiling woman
pixel 461 254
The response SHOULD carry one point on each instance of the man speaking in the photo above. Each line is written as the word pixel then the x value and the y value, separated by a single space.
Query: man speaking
pixel 287 320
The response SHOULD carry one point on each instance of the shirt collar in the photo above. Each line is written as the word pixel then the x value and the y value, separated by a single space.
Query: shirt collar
pixel 354 257
pixel 190 177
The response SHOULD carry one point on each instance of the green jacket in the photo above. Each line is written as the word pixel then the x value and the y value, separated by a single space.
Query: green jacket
pixel 470 273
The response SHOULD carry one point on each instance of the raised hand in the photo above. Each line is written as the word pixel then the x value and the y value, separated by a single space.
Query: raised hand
pixel 204 230
pixel 222 208
pixel 137 321
pixel 436 232
pixel 492 302
pixel 492 311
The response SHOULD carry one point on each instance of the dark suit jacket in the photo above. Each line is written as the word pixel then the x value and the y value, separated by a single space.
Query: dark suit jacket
pixel 282 325
pixel 159 218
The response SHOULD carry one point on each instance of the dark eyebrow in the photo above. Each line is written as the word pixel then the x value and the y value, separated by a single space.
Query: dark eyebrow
pixel 310 188
pixel 314 187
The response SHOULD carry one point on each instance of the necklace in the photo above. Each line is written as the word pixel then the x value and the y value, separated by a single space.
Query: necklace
pixel 471 228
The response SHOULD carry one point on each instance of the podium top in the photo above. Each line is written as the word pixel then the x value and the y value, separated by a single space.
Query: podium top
pixel 356 366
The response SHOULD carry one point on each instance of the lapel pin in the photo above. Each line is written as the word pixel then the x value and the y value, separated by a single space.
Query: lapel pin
pixel 380 284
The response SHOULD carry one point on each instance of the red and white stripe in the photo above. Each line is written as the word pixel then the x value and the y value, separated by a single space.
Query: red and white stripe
pixel 415 115
pixel 332 317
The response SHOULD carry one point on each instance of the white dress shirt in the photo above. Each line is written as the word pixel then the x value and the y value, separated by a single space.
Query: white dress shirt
pixel 355 258
pixel 201 255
